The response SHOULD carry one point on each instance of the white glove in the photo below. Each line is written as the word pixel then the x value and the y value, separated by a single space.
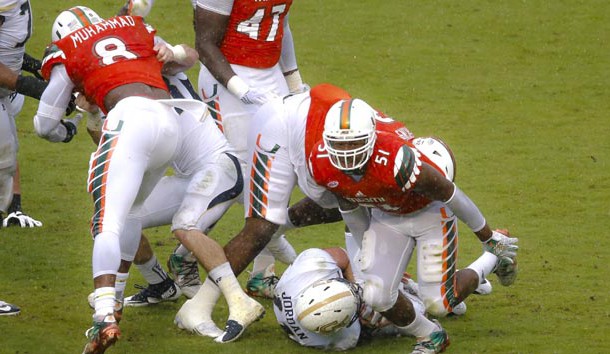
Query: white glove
pixel 20 219
pixel 247 94
pixel 501 245
pixel 258 96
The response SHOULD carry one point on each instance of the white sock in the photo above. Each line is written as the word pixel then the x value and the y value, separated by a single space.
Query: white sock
pixel 182 251
pixel 224 277
pixel 262 261
pixel 104 301
pixel 119 285
pixel 282 250
pixel 152 271
pixel 420 327
pixel 204 301
pixel 484 265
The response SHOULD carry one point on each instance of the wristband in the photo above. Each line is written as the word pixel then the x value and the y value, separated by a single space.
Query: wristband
pixel 70 130
pixel 237 86
pixel 294 81
pixel 30 86
pixel 179 52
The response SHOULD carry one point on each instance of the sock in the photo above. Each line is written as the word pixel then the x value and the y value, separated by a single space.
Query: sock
pixel 204 301
pixel 104 301
pixel 484 265
pixel 420 327
pixel 282 250
pixel 119 285
pixel 152 271
pixel 15 204
pixel 182 251
pixel 262 261
pixel 227 283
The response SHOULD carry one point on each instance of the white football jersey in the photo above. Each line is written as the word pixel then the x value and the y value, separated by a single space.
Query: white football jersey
pixel 311 265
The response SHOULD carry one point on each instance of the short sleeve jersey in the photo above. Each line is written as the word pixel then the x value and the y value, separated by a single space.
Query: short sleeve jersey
pixel 103 56
pixel 388 179
pixel 253 37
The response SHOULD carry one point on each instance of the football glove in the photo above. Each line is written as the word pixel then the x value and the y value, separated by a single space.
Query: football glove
pixel 501 245
pixel 20 219
pixel 258 96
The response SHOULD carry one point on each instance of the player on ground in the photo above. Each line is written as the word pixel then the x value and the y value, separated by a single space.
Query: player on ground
pixel 317 302
pixel 140 136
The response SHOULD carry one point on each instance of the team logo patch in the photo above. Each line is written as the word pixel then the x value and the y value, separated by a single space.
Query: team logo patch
pixel 333 184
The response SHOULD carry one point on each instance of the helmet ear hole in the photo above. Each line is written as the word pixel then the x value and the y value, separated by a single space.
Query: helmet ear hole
pixel 73 19
pixel 327 306
pixel 349 133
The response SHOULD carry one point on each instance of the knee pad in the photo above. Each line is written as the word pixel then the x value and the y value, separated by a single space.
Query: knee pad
pixel 436 307
pixel 378 296
pixel 430 262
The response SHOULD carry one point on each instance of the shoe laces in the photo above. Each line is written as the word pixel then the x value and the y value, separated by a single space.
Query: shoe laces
pixel 186 272
pixel 152 290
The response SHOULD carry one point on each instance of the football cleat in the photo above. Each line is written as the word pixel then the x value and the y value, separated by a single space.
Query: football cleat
pixel 484 288
pixel 7 309
pixel 506 270
pixel 436 342
pixel 167 290
pixel 247 312
pixel 198 322
pixel 262 284
pixel 459 309
pixel 186 273
pixel 104 333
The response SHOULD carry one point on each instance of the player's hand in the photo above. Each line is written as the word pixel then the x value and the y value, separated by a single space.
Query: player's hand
pixel 71 105
pixel 20 219
pixel 164 53
pixel 258 96
pixel 303 87
pixel 501 244
pixel 71 126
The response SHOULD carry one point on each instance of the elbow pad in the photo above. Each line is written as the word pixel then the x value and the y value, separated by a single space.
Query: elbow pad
pixel 465 209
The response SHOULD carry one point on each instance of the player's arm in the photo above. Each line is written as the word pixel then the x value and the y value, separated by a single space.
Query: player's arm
pixel 341 258
pixel 288 62
pixel 211 26
pixel 56 97
pixel 176 58
pixel 433 185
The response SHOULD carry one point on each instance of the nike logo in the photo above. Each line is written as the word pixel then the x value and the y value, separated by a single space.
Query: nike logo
pixel 169 293
pixel 5 308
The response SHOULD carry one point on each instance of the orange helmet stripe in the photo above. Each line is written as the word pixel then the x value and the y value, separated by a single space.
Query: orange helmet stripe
pixel 81 16
pixel 345 114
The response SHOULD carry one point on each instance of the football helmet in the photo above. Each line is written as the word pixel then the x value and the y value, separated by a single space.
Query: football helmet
pixel 329 305
pixel 73 19
pixel 349 133
pixel 439 153
pixel 139 7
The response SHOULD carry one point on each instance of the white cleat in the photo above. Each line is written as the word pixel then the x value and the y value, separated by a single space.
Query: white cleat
pixel 196 322
pixel 247 312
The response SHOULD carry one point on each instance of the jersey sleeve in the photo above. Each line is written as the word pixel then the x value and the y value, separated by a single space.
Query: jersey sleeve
pixel 52 56
pixel 406 167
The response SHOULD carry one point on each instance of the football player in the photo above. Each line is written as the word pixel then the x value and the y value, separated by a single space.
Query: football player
pixel 15 30
pixel 318 302
pixel 242 67
pixel 141 134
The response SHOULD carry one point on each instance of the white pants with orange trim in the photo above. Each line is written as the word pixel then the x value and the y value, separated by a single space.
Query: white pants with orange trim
pixel 388 246
pixel 139 140
pixel 232 115
pixel 277 161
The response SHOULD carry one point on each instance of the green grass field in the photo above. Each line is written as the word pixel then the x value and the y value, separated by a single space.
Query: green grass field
pixel 519 89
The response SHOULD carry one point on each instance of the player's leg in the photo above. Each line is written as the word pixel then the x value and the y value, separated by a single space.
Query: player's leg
pixel 8 158
pixel 131 158
pixel 385 253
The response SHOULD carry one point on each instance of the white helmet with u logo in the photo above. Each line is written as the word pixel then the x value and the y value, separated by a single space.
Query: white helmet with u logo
pixel 73 19
pixel 349 133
